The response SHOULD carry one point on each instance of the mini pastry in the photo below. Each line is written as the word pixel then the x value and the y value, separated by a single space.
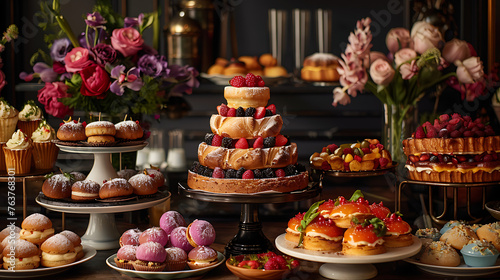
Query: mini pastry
pixel 178 239
pixel 26 256
pixel 323 235
pixel 379 210
pixel 126 173
pixel 235 67
pixel 398 232
pixel 8 120
pixel 449 225
pixel 154 234
pixel 57 186
pixel 326 208
pixel 347 210
pixel 77 243
pixel 458 236
pixel 275 71
pixel 126 256
pixel 128 130
pixel 490 232
pixel 18 153
pixel 364 239
pixel 251 62
pixel 176 259
pixel 292 234
pixel 427 235
pixel 29 118
pixel 143 184
pixel 72 131
pixel 85 190
pixel 57 250
pixel 200 233
pixel 438 253
pixel 267 60
pixel 202 256
pixel 77 176
pixel 216 69
pixel 171 220
pixel 130 237
pixel 100 132
pixel 150 257
pixel 6 231
pixel 115 188
pixel 44 150
pixel 320 67
pixel 479 253
pixel 36 228
pixel 157 175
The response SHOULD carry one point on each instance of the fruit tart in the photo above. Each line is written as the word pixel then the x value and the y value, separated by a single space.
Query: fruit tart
pixel 365 238
pixel 398 232
pixel 347 210
pixel 367 155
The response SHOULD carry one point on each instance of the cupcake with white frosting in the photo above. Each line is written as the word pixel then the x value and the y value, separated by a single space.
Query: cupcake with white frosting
pixel 8 120
pixel 29 118
pixel 18 152
pixel 44 150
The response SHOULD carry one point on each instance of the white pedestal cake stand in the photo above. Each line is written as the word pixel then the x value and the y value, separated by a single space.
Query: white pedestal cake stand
pixel 339 266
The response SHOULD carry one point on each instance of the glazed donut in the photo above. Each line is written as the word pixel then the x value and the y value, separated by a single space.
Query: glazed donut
pixel 71 131
pixel 246 96
pixel 115 188
pixel 246 127
pixel 128 130
pixel 100 128
pixel 274 157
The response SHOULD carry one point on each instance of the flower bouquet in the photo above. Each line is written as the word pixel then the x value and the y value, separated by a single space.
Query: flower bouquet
pixel 8 36
pixel 108 68
pixel 419 60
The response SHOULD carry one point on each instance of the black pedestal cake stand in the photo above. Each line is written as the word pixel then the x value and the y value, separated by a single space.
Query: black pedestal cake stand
pixel 250 239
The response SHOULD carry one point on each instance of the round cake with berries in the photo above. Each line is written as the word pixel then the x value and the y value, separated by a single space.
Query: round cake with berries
pixel 455 149
pixel 245 151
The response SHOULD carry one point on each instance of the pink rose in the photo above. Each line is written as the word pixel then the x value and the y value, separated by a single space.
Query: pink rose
pixel 352 75
pixel 2 80
pixel 408 70
pixel 381 72
pixel 340 96
pixel 372 57
pixel 426 36
pixel 397 38
pixel 456 50
pixel 470 70
pixel 95 81
pixel 49 97
pixel 404 55
pixel 128 41
pixel 77 59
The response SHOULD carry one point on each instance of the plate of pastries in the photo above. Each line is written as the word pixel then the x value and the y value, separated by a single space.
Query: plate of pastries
pixel 39 250
pixel 459 248
pixel 129 185
pixel 320 68
pixel 100 133
pixel 366 156
pixel 264 65
pixel 174 249
pixel 349 231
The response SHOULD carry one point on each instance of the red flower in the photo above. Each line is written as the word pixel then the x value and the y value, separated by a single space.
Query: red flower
pixel 49 96
pixel 95 81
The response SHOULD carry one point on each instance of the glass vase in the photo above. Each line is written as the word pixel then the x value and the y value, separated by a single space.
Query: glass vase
pixel 399 123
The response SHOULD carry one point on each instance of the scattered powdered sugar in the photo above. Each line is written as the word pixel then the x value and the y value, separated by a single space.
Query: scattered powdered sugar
pixel 151 252
pixel 155 234
pixel 119 183
pixel 73 237
pixel 202 253
pixel 100 124
pixel 127 252
pixel 131 237
pixel 25 248
pixel 38 219
pixel 132 125
pixel 126 173
pixel 176 254
pixel 140 180
pixel 58 241
pixel 87 186
pixel 178 239
pixel 202 232
pixel 170 220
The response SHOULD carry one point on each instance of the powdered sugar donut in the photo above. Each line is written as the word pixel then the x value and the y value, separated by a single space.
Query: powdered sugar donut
pixel 176 259
pixel 71 131
pixel 178 239
pixel 57 186
pixel 143 184
pixel 128 130
pixel 155 234
pixel 130 237
pixel 158 177
pixel 115 188
pixel 126 173
pixel 171 220
pixel 200 233
pixel 77 176
pixel 57 250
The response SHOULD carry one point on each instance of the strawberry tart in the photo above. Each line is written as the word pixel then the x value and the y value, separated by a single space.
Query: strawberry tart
pixel 455 149
pixel 245 152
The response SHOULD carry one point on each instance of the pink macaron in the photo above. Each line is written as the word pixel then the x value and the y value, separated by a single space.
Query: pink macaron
pixel 200 233
pixel 130 237
pixel 154 234
pixel 178 239
pixel 170 220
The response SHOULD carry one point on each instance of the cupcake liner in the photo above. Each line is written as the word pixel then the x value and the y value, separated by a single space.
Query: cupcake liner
pixel 7 128
pixel 18 160
pixel 127 265
pixel 28 127
pixel 176 266
pixel 140 267
pixel 2 158
pixel 44 155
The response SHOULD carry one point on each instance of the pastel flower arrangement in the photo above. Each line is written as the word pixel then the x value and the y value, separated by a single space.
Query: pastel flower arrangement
pixel 8 36
pixel 108 68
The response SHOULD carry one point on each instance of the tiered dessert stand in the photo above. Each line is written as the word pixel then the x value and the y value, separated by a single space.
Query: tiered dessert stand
pixel 250 239
pixel 102 233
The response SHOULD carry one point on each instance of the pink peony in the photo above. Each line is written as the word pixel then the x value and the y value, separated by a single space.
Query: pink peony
pixel 470 70
pixel 408 70
pixel 404 55
pixel 340 96
pixel 456 50
pixel 381 72
pixel 49 95
pixel 425 36
pixel 2 80
pixel 77 59
pixel 128 41
pixel 398 38
pixel 95 81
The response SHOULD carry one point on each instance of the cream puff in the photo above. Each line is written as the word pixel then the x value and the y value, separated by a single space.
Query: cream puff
pixel 36 228
pixel 77 242
pixel 57 250
pixel 26 256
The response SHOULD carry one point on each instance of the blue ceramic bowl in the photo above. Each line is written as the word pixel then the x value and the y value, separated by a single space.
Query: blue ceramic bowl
pixel 480 260
pixel 479 254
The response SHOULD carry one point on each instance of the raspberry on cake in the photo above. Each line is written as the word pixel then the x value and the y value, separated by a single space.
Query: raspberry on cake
pixel 347 210
pixel 245 153
pixel 455 149
pixel 398 232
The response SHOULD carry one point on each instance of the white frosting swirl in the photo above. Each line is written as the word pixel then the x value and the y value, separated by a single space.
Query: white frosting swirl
pixel 30 112
pixel 7 111
pixel 43 133
pixel 19 141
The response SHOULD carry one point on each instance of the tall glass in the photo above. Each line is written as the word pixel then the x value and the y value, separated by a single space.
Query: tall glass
pixel 301 21
pixel 277 32
pixel 324 30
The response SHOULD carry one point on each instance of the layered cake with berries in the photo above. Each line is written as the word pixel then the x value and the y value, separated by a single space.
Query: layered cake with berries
pixel 455 149
pixel 246 152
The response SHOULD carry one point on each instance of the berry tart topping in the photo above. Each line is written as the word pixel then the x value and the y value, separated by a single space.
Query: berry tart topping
pixel 453 126
pixel 250 80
